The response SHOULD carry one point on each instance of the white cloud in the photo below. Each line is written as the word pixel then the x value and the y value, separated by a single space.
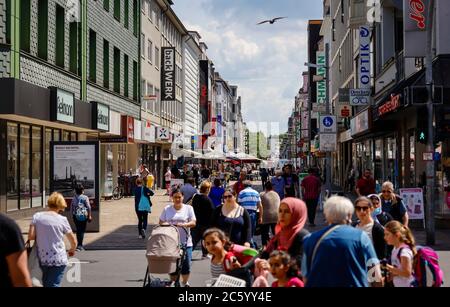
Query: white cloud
pixel 265 62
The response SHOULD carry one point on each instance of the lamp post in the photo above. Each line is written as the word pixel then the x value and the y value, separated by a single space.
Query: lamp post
pixel 429 221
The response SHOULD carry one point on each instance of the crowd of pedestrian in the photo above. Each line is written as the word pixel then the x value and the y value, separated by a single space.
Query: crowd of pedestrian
pixel 366 243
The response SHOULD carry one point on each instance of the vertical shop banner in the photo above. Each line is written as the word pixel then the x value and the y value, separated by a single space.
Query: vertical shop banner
pixel 73 163
pixel 168 74
pixel 364 57
pixel 321 71
pixel 204 92
pixel 413 200
pixel 415 23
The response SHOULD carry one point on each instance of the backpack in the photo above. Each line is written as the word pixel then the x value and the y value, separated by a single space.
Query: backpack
pixel 81 212
pixel 426 269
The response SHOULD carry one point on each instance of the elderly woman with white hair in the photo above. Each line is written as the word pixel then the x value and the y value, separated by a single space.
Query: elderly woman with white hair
pixel 340 255
pixel 393 204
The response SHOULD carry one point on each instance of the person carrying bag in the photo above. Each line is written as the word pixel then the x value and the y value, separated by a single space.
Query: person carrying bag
pixel 34 265
pixel 143 206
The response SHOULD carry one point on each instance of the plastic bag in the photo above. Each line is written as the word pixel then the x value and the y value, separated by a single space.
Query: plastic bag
pixel 34 265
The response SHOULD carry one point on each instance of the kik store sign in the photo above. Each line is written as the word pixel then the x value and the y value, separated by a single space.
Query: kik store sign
pixel 62 105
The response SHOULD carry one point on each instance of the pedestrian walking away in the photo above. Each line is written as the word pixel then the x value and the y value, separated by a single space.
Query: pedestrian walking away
pixel 339 255
pixel 142 206
pixel 239 185
pixel 188 189
pixel 183 216
pixel 270 202
pixel 216 193
pixel 167 178
pixel 251 201
pixel 311 188
pixel 291 182
pixel 278 183
pixel 81 213
pixel 48 229
pixel 203 209
pixel 13 255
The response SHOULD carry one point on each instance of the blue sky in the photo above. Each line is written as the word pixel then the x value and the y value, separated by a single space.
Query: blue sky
pixel 265 61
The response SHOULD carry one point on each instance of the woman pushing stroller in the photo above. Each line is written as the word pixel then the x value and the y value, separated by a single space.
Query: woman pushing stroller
pixel 182 216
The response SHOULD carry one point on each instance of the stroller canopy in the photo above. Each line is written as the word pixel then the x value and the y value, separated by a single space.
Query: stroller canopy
pixel 163 250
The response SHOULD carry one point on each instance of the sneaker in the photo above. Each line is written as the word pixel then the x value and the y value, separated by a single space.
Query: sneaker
pixel 184 285
pixel 143 234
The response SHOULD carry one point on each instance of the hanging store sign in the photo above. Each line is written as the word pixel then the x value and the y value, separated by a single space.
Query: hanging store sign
pixel 168 74
pixel 415 14
pixel 344 111
pixel 360 97
pixel 204 91
pixel 364 57
pixel 100 116
pixel 163 134
pixel 321 71
pixel 128 128
pixel 62 105
pixel 390 106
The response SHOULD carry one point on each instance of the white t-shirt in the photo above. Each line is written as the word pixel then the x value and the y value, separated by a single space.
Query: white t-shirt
pixel 406 252
pixel 168 176
pixel 184 215
pixel 367 229
pixel 50 231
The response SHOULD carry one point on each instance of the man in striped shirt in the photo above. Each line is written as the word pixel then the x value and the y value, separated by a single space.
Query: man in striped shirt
pixel 250 200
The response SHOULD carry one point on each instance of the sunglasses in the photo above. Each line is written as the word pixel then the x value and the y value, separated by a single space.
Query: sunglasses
pixel 358 208
pixel 386 191
pixel 227 196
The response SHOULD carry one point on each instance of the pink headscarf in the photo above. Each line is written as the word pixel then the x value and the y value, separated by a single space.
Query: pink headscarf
pixel 285 236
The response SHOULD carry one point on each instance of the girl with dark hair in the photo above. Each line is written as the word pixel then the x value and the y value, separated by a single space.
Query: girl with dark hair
pixel 82 214
pixel 285 270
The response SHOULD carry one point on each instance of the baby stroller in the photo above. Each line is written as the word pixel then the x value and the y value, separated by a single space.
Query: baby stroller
pixel 165 254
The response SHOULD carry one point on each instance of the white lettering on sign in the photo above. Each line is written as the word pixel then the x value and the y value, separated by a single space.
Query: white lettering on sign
pixel 102 117
pixel 364 57
pixel 168 74
pixel 321 71
pixel 64 106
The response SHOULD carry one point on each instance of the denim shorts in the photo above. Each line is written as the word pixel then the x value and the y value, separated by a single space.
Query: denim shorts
pixel 186 265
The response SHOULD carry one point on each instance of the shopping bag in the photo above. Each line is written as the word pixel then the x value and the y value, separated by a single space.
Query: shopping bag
pixel 34 265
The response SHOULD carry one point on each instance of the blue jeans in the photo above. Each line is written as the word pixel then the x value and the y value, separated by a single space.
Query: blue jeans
pixel 52 276
pixel 253 219
pixel 186 265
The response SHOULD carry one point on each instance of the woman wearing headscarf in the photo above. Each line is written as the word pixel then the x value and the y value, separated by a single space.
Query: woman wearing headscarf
pixel 289 231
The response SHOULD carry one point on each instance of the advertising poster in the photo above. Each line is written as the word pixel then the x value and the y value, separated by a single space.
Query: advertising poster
pixel 74 163
pixel 413 200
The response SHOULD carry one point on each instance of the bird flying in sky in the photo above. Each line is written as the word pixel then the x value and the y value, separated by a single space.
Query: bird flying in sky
pixel 271 21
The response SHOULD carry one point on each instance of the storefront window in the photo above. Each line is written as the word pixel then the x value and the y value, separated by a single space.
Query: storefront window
pixel 48 139
pixel 56 135
pixel 73 136
pixel 122 161
pixel 25 188
pixel 378 163
pixel 36 167
pixel 392 165
pixel 66 136
pixel 12 195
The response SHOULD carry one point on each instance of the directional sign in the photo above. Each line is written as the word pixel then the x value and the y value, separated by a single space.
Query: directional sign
pixel 328 142
pixel 360 97
pixel 328 124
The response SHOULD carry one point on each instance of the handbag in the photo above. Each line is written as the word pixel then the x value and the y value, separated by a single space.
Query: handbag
pixel 144 203
pixel 189 203
pixel 34 264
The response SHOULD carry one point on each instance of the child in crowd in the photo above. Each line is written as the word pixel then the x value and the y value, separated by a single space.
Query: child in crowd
pixel 262 269
pixel 225 255
pixel 284 269
pixel 401 268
